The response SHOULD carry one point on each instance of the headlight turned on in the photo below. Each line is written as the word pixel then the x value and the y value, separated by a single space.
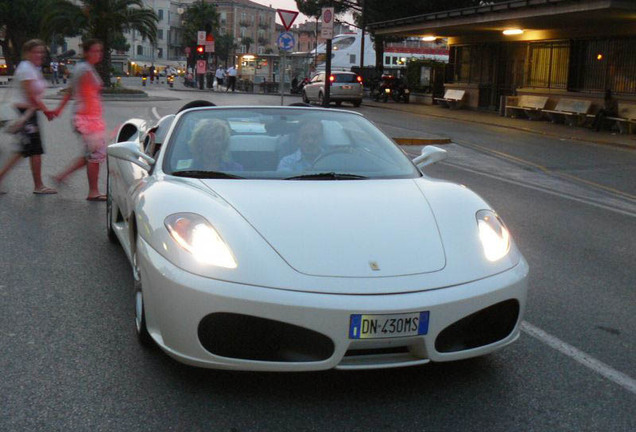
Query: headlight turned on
pixel 196 235
pixel 494 236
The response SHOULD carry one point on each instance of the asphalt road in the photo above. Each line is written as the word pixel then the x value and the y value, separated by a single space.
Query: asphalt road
pixel 69 358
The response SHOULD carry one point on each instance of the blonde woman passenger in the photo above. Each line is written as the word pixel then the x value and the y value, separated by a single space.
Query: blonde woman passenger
pixel 209 146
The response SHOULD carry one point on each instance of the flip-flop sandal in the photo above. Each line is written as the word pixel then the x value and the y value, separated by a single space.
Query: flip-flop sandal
pixel 97 198
pixel 45 191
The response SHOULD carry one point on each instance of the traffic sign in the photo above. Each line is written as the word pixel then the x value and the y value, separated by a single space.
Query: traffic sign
pixel 200 37
pixel 326 29
pixel 286 41
pixel 209 43
pixel 201 67
pixel 287 17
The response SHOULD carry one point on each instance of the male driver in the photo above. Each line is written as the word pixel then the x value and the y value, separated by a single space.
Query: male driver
pixel 309 148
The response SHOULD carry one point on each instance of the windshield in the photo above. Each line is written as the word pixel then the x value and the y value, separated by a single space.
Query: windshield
pixel 282 143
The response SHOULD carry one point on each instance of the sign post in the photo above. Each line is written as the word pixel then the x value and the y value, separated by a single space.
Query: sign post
pixel 285 43
pixel 200 62
pixel 327 33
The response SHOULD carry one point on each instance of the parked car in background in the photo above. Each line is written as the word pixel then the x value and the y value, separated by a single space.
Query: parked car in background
pixel 345 87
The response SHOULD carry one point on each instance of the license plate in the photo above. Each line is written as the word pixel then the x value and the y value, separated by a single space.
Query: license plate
pixel 388 326
pixel 347 87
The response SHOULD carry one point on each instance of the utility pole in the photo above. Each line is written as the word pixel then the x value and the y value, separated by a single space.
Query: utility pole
pixel 364 24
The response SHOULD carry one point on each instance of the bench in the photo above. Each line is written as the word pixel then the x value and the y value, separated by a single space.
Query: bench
pixel 453 99
pixel 626 118
pixel 571 111
pixel 531 106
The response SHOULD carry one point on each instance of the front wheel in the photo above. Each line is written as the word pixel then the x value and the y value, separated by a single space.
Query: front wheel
pixel 109 211
pixel 321 99
pixel 140 313
pixel 305 98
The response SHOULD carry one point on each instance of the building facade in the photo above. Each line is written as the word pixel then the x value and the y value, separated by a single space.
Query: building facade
pixel 555 48
pixel 252 26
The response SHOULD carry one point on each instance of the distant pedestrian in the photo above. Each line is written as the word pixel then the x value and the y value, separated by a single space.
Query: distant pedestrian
pixel 54 69
pixel 220 75
pixel 610 109
pixel 152 73
pixel 28 99
pixel 231 78
pixel 88 122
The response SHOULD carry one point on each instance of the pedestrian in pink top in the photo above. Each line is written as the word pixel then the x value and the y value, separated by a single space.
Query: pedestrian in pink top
pixel 86 86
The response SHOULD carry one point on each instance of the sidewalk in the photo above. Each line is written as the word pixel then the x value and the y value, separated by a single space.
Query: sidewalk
pixel 494 119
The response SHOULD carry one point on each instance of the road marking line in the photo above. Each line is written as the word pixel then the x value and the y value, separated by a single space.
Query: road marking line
pixel 546 170
pixel 586 360
pixel 155 113
pixel 541 189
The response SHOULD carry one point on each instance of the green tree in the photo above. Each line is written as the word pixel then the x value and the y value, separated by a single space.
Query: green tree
pixel 313 8
pixel 106 20
pixel 20 20
pixel 224 45
pixel 199 16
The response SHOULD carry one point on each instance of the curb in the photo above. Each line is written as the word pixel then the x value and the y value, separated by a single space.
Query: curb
pixel 119 98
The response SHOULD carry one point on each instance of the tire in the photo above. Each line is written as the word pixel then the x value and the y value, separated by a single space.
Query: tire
pixel 143 336
pixel 357 103
pixel 112 237
pixel 321 100
pixel 305 98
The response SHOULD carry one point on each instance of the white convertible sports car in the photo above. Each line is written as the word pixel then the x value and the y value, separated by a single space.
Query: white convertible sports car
pixel 297 239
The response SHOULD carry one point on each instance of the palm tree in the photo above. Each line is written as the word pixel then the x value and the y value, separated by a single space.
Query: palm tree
pixel 199 16
pixel 105 20
pixel 19 22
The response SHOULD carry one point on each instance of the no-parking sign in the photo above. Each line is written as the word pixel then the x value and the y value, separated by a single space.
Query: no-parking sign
pixel 327 23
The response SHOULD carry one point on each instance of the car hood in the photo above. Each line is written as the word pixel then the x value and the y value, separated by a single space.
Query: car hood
pixel 365 228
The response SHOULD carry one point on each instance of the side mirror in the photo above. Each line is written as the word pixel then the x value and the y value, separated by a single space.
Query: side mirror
pixel 429 156
pixel 129 151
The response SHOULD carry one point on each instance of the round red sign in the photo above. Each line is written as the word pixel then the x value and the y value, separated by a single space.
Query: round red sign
pixel 326 17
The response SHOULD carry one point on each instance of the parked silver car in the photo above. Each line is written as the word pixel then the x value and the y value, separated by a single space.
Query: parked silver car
pixel 345 87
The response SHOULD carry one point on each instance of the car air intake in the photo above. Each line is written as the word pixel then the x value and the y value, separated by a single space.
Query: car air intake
pixel 252 338
pixel 484 327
